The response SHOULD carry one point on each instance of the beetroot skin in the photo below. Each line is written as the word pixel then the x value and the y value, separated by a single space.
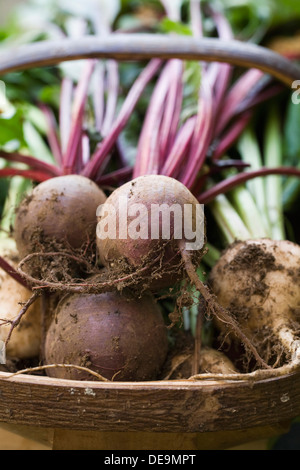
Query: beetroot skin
pixel 121 339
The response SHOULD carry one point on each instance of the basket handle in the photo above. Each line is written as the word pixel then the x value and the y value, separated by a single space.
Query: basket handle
pixel 146 46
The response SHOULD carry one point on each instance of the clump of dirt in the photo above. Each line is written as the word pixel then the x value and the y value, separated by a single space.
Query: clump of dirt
pixel 258 263
pixel 254 259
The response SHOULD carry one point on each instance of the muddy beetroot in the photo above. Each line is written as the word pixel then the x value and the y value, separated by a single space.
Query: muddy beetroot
pixel 258 280
pixel 211 361
pixel 148 191
pixel 120 338
pixel 61 209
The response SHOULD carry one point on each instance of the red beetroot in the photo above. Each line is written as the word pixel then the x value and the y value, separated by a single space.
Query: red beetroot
pixel 120 338
pixel 61 209
pixel 157 253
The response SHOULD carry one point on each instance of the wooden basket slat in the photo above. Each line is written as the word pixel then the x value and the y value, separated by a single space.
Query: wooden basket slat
pixel 147 46
pixel 184 406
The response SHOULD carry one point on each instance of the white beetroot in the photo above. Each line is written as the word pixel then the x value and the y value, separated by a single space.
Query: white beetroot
pixel 217 310
pixel 258 280
pixel 211 361
pixel 24 340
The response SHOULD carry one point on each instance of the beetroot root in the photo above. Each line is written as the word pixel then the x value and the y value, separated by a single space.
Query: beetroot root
pixel 119 338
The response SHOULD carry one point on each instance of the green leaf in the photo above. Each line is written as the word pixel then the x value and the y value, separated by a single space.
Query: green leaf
pixel 28 85
pixel 36 144
pixel 169 26
pixel 252 19
pixel 11 129
pixel 284 10
pixel 291 134
pixel 12 189
pixel 35 116
pixel 291 137
pixel 4 186
pixel 50 95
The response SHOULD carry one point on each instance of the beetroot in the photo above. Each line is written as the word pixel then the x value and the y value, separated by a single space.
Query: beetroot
pixel 62 210
pixel 115 336
pixel 161 255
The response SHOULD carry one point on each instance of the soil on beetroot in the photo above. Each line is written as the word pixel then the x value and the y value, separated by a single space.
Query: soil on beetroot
pixel 257 262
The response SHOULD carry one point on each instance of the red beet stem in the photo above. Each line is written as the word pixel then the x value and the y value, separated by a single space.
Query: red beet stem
pixel 202 135
pixel 34 163
pixel 235 96
pixel 99 157
pixel 232 134
pixel 147 159
pixel 53 138
pixel 115 176
pixel 231 183
pixel 33 175
pixel 78 112
pixel 12 272
pixel 171 117
pixel 99 95
pixel 112 96
pixel 65 112
pixel 180 148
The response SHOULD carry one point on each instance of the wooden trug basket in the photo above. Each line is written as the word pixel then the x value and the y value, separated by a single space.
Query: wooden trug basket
pixel 161 415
